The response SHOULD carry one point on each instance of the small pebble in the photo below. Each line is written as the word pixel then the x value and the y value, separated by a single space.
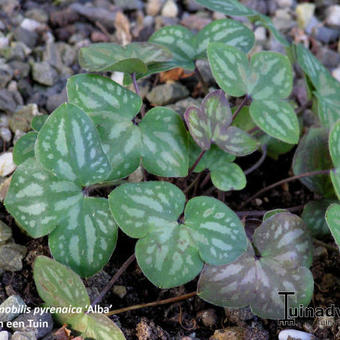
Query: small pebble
pixel 16 306
pixel 304 12
pixel 7 165
pixel 289 334
pixel 333 16
pixel 170 9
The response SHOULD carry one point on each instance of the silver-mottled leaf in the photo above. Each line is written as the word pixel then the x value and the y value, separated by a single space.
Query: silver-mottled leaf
pixel 333 221
pixel 68 145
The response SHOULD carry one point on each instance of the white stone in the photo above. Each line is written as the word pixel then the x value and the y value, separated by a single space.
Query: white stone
pixel 260 34
pixel 5 134
pixel 304 12
pixel 294 334
pixel 30 24
pixel 4 42
pixel 170 9
pixel 333 16
pixel 153 7
pixel 118 77
pixel 7 165
pixel 4 335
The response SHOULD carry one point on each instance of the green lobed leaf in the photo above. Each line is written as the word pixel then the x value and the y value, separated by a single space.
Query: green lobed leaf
pixel 171 252
pixel 227 31
pixel 38 200
pixel 314 217
pixel 164 143
pixel 82 232
pixel 24 147
pixel 210 124
pixel 311 155
pixel 99 327
pixel 327 88
pixel 86 237
pixel 59 286
pixel 132 58
pixel 228 176
pixel 112 108
pixel 285 250
pixel 38 122
pixel 277 118
pixel 68 145
pixel 333 221
pixel 267 80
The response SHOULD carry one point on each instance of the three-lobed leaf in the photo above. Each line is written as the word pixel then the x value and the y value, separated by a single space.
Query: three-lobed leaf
pixel 284 255
pixel 171 251
pixel 267 79
pixel 46 196
pixel 59 286
pixel 211 124
pixel 159 141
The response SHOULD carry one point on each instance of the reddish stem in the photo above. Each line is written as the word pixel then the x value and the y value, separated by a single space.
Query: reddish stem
pixel 196 162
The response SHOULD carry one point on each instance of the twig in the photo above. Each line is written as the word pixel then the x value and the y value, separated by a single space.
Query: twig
pixel 202 81
pixel 205 180
pixel 244 101
pixel 254 129
pixel 115 277
pixel 286 180
pixel 259 162
pixel 196 162
pixel 152 304
pixel 192 183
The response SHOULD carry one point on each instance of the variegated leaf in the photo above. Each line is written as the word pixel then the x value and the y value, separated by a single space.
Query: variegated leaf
pixel 210 124
pixel 38 122
pixel 228 176
pixel 112 108
pixel 285 253
pixel 314 217
pixel 267 80
pixel 170 251
pixel 333 221
pixel 24 147
pixel 311 155
pixel 230 68
pixel 83 232
pixel 68 145
pixel 237 142
pixel 327 88
pixel 86 237
pixel 164 143
pixel 275 147
pixel 38 200
pixel 59 286
pixel 134 57
pixel 99 327
pixel 277 118
pixel 271 76
pixel 180 41
pixel 229 7
pixel 227 31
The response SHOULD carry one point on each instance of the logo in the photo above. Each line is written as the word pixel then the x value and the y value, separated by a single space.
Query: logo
pixel 325 314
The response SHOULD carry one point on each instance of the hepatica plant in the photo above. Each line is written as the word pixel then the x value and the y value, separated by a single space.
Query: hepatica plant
pixel 105 132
